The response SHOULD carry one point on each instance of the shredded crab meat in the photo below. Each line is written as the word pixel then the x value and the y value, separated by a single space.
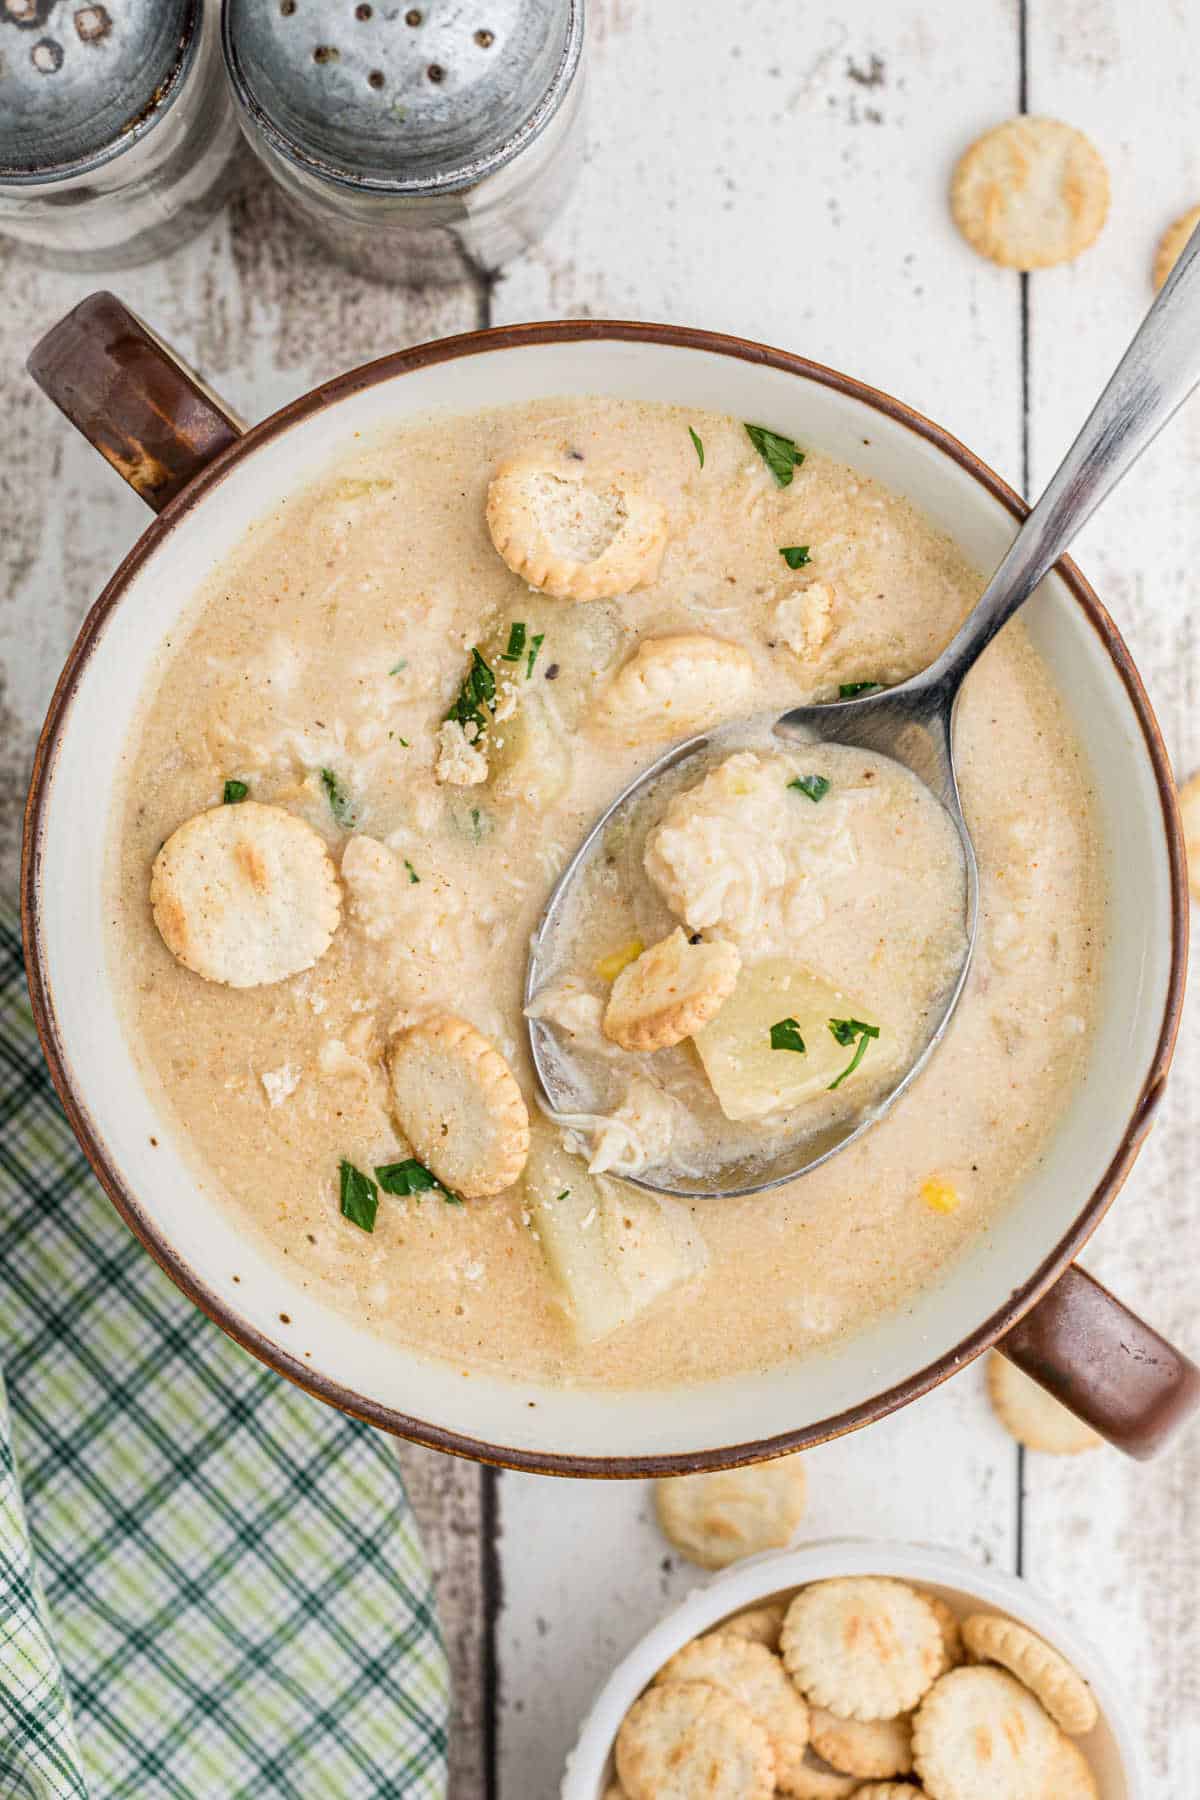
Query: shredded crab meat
pixel 638 1135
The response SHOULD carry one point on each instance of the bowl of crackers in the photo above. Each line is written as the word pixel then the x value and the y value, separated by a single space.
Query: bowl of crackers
pixel 882 1671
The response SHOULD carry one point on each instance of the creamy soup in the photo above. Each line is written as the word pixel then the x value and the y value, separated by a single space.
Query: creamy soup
pixel 370 665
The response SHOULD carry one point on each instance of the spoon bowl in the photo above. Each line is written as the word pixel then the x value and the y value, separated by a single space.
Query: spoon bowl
pixel 912 723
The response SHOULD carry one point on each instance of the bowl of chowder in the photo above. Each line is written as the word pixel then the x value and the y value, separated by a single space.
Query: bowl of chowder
pixel 325 744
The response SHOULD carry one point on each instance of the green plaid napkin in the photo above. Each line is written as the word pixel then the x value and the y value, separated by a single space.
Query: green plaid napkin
pixel 232 1598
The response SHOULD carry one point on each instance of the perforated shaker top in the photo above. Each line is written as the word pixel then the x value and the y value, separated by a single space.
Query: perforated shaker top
pixel 80 83
pixel 407 98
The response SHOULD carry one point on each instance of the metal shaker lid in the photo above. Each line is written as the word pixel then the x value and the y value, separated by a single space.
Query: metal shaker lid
pixel 407 98
pixel 80 83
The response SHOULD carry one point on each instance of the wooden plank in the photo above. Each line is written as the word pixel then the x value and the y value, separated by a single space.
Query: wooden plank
pixel 782 177
pixel 1116 1544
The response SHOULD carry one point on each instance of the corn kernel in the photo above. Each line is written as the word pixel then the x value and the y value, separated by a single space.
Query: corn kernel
pixel 940 1196
pixel 609 967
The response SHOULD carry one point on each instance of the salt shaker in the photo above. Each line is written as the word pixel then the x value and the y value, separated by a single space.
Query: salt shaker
pixel 116 127
pixel 420 142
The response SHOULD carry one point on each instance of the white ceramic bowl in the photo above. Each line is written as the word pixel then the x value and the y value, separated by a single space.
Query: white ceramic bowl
pixel 1111 1747
pixel 163 431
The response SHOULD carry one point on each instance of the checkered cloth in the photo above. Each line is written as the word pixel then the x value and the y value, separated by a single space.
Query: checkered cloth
pixel 232 1599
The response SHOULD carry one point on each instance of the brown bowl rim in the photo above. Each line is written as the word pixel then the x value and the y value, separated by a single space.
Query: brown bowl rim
pixel 389 1418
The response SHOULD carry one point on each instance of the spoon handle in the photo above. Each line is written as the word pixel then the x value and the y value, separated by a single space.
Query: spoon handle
pixel 1152 380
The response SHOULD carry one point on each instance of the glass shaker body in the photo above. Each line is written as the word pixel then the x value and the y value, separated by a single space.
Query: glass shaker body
pixel 417 146
pixel 117 129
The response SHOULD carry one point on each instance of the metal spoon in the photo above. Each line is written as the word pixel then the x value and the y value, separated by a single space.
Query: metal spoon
pixel 913 722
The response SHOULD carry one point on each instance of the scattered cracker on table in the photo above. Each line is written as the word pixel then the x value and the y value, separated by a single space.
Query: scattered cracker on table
pixel 686 1739
pixel 459 1105
pixel 575 534
pixel 1065 1695
pixel 980 1735
pixel 672 989
pixel 1034 1417
pixel 1030 193
pixel 716 1518
pixel 1189 813
pixel 753 1675
pixel 245 895
pixel 761 1624
pixel 862 1646
pixel 867 1748
pixel 1170 244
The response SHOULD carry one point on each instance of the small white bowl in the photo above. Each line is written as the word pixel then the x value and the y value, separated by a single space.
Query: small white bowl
pixel 1110 1748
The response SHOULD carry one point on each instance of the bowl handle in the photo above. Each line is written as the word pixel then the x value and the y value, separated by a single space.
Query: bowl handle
pixel 146 412
pixel 1112 1369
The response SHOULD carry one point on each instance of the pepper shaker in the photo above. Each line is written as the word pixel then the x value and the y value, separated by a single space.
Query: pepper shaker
pixel 116 127
pixel 421 142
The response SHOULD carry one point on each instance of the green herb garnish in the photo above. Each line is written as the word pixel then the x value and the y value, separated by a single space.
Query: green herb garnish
pixel 779 453
pixel 516 642
pixel 845 1031
pixel 476 696
pixel 795 555
pixel 699 444
pixel 848 689
pixel 535 644
pixel 412 1177
pixel 339 805
pixel 815 786
pixel 396 667
pixel 565 1195
pixel 234 793
pixel 412 873
pixel 785 1035
pixel 359 1198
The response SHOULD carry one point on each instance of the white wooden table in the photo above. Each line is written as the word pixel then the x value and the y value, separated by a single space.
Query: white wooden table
pixel 777 170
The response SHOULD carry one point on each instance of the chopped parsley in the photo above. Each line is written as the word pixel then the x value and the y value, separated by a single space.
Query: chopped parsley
pixel 404 741
pixel 698 442
pixel 848 689
pixel 794 555
pixel 565 1195
pixel 535 644
pixel 359 1197
pixel 785 1035
pixel 477 695
pixel 779 453
pixel 845 1031
pixel 234 793
pixel 412 873
pixel 516 642
pixel 815 786
pixel 412 1177
pixel 396 667
pixel 339 805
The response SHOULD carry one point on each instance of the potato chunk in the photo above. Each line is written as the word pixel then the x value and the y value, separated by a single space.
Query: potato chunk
pixel 611 1250
pixel 749 1077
